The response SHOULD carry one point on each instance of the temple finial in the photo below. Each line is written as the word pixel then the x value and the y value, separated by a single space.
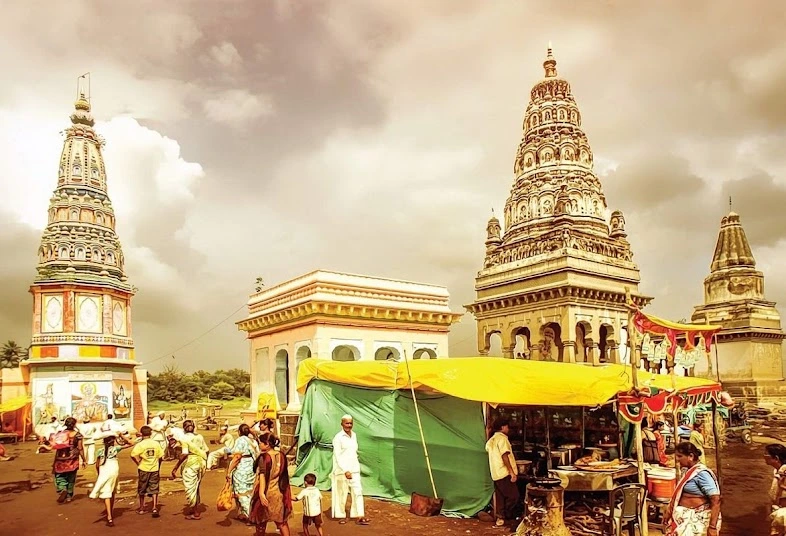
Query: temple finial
pixel 550 65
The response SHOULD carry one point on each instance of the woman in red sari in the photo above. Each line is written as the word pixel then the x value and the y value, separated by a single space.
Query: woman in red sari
pixel 272 498
pixel 68 452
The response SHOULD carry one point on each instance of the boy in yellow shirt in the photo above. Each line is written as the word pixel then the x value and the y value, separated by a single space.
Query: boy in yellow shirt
pixel 147 455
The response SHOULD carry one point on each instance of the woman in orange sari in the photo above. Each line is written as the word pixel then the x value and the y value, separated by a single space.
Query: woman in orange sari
pixel 694 509
pixel 272 498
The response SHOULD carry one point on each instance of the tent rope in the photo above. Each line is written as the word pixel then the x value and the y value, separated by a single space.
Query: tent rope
pixel 420 427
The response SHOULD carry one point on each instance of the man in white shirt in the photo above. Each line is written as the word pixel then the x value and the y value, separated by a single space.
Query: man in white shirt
pixel 504 472
pixel 159 425
pixel 89 432
pixel 227 441
pixel 345 477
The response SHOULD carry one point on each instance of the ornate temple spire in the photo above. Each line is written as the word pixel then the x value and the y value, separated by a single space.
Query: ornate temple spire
pixel 732 248
pixel 79 242
pixel 550 65
pixel 555 187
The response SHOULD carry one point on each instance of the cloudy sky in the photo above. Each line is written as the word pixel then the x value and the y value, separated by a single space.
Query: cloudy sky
pixel 271 138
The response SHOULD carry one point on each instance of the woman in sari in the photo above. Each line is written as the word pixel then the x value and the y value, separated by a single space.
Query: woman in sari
pixel 68 451
pixel 193 458
pixel 272 498
pixel 108 470
pixel 241 471
pixel 694 509
pixel 775 457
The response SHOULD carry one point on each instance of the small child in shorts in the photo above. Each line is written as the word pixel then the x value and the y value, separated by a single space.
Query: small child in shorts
pixel 312 505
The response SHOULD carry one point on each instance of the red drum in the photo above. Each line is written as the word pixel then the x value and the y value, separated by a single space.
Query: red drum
pixel 661 486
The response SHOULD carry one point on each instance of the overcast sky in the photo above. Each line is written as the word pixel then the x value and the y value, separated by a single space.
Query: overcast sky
pixel 271 138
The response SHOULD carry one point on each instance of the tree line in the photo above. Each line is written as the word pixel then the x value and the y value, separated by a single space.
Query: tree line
pixel 174 385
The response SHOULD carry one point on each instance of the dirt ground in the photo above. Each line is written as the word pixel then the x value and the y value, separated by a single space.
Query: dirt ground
pixel 746 480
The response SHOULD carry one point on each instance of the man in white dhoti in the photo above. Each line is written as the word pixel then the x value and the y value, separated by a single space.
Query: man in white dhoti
pixel 345 477
pixel 89 432
pixel 159 425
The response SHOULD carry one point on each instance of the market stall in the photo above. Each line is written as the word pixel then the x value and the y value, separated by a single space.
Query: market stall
pixel 376 393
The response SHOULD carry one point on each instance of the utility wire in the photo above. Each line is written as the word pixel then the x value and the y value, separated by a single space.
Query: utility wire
pixel 172 353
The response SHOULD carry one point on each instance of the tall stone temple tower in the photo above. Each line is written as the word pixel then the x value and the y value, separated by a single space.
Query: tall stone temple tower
pixel 553 284
pixel 750 345
pixel 81 359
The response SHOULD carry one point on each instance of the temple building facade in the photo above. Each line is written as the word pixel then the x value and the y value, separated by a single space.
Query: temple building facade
pixel 553 284
pixel 750 345
pixel 81 361
pixel 342 317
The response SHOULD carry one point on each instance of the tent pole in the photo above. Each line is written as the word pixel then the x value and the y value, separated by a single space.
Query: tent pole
pixel 548 440
pixel 717 365
pixel 634 365
pixel 717 442
pixel 420 427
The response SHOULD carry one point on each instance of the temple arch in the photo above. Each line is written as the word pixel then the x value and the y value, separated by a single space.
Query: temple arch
pixel 345 352
pixel 605 343
pixel 583 342
pixel 387 353
pixel 424 353
pixel 551 348
pixel 523 343
pixel 282 376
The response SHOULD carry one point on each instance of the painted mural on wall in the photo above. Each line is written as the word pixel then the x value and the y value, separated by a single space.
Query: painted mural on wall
pixel 121 398
pixel 90 400
pixel 51 398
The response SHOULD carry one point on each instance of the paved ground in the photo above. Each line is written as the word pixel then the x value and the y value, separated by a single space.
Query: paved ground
pixel 746 481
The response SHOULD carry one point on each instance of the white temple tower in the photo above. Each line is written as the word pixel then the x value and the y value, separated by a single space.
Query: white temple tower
pixel 553 285
pixel 82 360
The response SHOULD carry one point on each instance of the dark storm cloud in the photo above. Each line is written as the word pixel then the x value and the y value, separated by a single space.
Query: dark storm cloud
pixel 376 137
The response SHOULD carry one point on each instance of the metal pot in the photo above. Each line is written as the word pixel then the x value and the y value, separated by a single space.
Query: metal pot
pixel 548 482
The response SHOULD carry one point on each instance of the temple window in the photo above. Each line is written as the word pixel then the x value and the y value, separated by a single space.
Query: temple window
pixel 547 116
pixel 562 114
pixel 99 217
pixel 75 215
pixel 63 253
pixel 96 255
pixel 77 170
pixel 94 173
pixel 80 254
pixel 110 257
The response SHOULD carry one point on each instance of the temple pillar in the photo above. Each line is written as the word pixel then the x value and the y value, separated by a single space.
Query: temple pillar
pixel 569 351
pixel 613 352
pixel 507 351
pixel 593 355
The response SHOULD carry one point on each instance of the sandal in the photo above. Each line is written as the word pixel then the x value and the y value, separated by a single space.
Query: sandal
pixel 342 522
pixel 110 523
pixel 363 521
pixel 155 513
pixel 194 518
pixel 141 512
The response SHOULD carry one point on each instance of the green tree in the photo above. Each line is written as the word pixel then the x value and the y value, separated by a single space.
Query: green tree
pixel 11 355
pixel 222 391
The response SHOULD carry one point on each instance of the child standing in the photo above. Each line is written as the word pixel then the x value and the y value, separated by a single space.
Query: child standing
pixel 108 469
pixel 312 505
pixel 147 455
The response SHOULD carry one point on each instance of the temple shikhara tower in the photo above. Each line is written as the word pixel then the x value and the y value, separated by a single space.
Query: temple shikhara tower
pixel 750 345
pixel 81 359
pixel 553 284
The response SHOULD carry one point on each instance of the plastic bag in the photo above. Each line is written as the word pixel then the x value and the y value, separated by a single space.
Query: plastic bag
pixel 226 500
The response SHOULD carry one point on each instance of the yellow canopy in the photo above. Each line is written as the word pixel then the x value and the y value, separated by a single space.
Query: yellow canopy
pixel 13 404
pixel 494 380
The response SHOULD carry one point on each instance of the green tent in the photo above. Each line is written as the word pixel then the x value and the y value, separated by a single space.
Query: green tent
pixel 391 453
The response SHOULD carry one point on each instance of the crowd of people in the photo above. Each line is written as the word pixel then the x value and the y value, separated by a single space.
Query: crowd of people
pixel 257 469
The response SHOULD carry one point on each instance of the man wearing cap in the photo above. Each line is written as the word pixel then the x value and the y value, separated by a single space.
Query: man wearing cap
pixel 345 477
